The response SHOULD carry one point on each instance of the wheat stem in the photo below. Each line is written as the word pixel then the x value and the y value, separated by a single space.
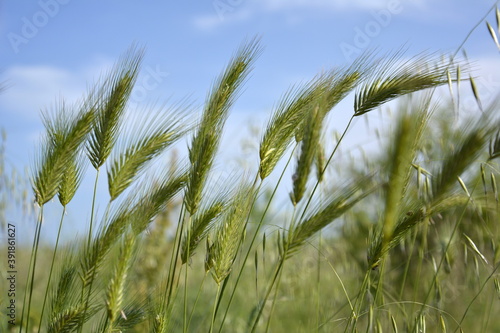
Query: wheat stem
pixel 92 210
pixel 269 289
pixel 443 257
pixel 173 261
pixel 353 318
pixel 318 281
pixel 35 253
pixel 477 295
pixel 51 267
pixel 268 325
pixel 292 227
pixel 188 231
pixel 407 265
pixel 30 267
pixel 216 301
pixel 254 237
pixel 326 166
pixel 89 240
pixel 197 298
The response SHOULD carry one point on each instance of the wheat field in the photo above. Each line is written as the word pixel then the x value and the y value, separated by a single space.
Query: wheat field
pixel 403 240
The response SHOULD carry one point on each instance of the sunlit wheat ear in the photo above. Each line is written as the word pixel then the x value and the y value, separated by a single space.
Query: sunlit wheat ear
pixel 289 116
pixel 155 198
pixel 66 131
pixel 200 226
pixel 207 217
pixel 130 316
pixel 221 97
pixel 411 215
pixel 112 229
pixel 135 212
pixel 396 77
pixel 402 152
pixel 115 289
pixel 228 235
pixel 66 310
pixel 308 149
pixel 72 178
pixel 150 136
pixel 158 310
pixel 70 318
pixel 341 201
pixel 468 148
pixel 343 80
pixel 64 294
pixel 204 220
pixel 109 99
pixel 284 122
pixel 320 162
pixel 331 89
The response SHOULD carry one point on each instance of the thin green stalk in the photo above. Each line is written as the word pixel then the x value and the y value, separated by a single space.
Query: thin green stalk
pixel 443 257
pixel 51 267
pixel 173 260
pixel 196 300
pixel 492 8
pixel 318 281
pixel 476 296
pixel 353 318
pixel 37 242
pixel 259 225
pixel 326 166
pixel 89 239
pixel 343 289
pixel 268 325
pixel 407 265
pixel 268 292
pixel 486 319
pixel 292 227
pixel 380 283
pixel 319 249
pixel 172 265
pixel 217 296
pixel 30 267
pixel 333 315
pixel 188 229
pixel 421 255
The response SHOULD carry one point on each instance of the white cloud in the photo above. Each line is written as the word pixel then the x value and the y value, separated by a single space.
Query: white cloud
pixel 233 11
pixel 32 88
pixel 221 16
pixel 29 87
pixel 326 4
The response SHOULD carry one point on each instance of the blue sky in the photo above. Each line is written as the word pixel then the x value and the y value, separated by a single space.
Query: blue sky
pixel 54 48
